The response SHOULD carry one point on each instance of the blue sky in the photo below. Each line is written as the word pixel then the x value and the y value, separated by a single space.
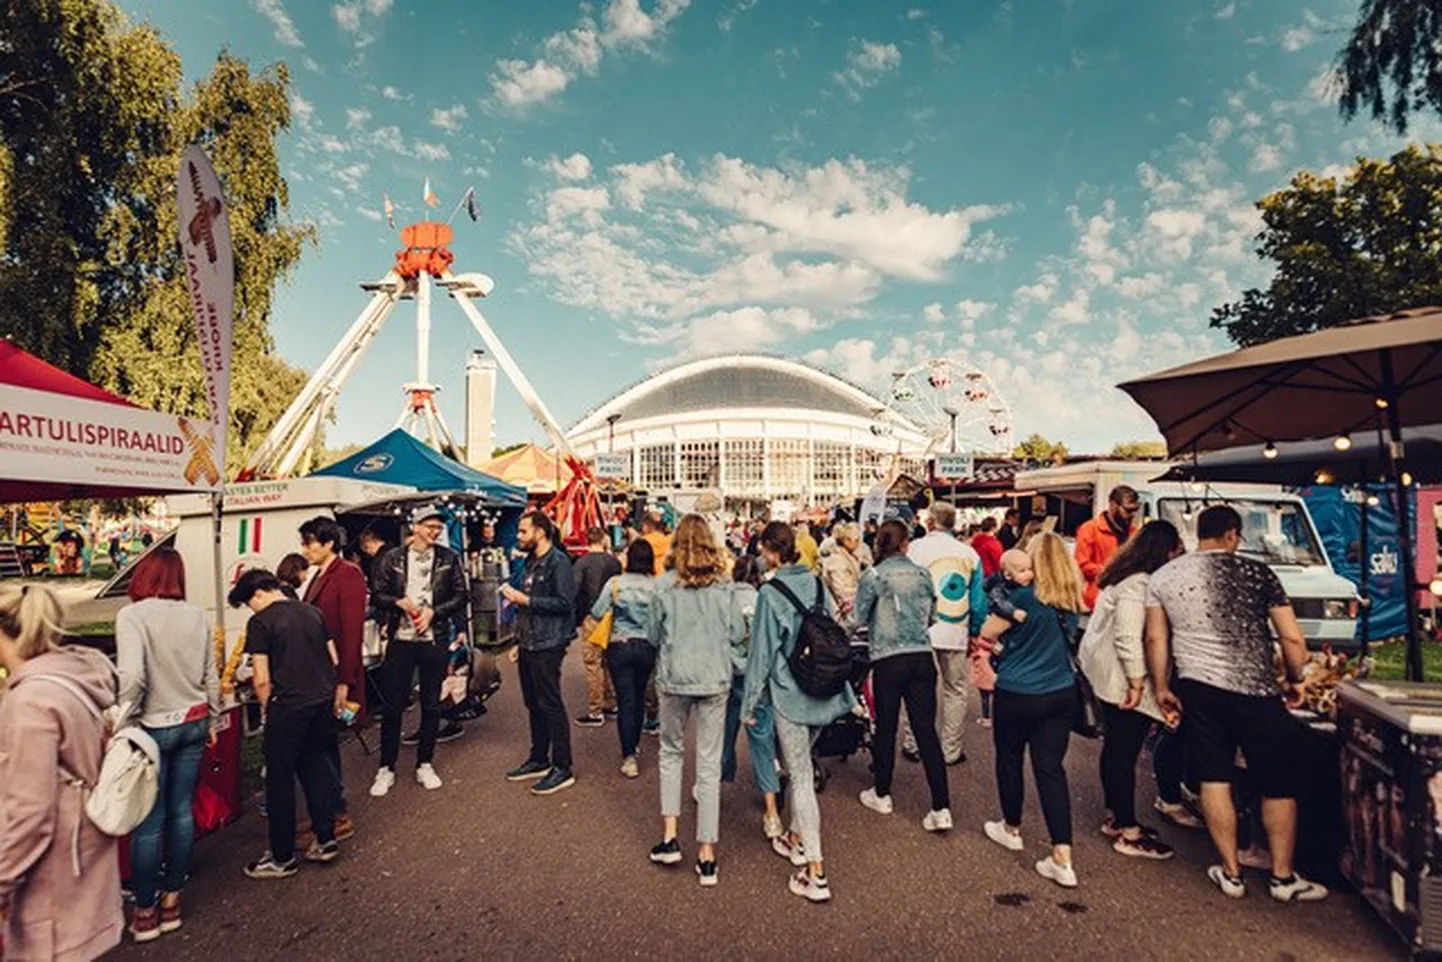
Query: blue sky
pixel 1054 191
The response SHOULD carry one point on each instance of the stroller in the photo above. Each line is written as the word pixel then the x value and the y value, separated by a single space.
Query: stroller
pixel 851 733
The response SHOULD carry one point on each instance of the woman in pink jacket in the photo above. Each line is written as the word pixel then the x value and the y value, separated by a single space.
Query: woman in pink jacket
pixel 59 876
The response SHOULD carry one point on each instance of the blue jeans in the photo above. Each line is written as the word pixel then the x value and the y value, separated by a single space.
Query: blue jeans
pixel 630 662
pixel 760 739
pixel 168 832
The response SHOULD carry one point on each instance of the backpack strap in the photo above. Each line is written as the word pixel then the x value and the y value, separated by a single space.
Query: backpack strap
pixel 820 608
pixel 74 689
pixel 790 595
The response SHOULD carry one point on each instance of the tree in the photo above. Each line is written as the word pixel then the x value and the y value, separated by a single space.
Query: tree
pixel 1140 451
pixel 1392 63
pixel 1370 243
pixel 497 452
pixel 1039 450
pixel 92 124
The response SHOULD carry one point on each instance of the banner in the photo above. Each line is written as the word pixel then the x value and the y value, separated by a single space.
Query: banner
pixel 1338 515
pixel 70 440
pixel 210 278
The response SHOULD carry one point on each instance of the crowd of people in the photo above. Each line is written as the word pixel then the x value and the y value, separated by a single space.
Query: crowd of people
pixel 702 631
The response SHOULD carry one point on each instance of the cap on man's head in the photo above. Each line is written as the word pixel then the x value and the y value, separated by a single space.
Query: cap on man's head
pixel 426 512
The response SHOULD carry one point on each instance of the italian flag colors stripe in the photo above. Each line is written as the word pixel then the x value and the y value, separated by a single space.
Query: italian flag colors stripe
pixel 250 531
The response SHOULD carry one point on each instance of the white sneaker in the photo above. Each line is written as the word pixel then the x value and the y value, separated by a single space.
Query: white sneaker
pixel 1063 875
pixel 1232 888
pixel 629 768
pixel 428 778
pixel 793 853
pixel 1296 889
pixel 937 821
pixel 385 780
pixel 1001 835
pixel 880 804
pixel 772 828
pixel 809 887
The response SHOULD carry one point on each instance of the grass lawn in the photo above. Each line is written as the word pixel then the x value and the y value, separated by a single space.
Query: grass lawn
pixel 1390 659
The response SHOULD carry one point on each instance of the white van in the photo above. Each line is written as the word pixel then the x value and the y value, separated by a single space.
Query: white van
pixel 1277 529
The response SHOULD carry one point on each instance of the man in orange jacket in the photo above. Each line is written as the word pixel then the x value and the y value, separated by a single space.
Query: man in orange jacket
pixel 1099 538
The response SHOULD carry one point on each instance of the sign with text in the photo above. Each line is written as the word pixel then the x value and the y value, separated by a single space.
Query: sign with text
pixel 954 467
pixel 92 443
pixel 613 465
pixel 210 279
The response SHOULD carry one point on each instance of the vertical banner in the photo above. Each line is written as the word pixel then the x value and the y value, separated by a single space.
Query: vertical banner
pixel 210 278
pixel 1337 512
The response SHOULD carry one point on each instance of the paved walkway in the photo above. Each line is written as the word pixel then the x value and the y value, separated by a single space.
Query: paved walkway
pixel 483 869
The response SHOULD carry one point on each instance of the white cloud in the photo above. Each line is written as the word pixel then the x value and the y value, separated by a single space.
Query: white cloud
pixel 392 94
pixel 1172 230
pixel 356 117
pixel 934 313
pixel 424 151
pixel 972 311
pixel 285 32
pixel 1140 286
pixel 587 203
pixel 728 19
pixel 332 144
pixel 867 66
pixel 744 329
pixel 566 54
pixel 1227 12
pixel 351 175
pixel 575 167
pixel 448 119
pixel 516 83
pixel 1039 293
pixel 1304 34
pixel 915 13
pixel 303 111
pixel 1074 310
pixel 349 16
pixel 370 213
pixel 1265 157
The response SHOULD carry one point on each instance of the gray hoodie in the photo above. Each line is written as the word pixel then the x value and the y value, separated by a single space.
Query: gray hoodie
pixel 167 664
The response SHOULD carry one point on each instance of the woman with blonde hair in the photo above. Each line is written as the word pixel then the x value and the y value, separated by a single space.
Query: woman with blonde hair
pixel 59 875
pixel 1036 702
pixel 694 622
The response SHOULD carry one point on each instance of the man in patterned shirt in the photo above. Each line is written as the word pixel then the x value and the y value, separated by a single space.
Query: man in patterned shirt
pixel 1213 612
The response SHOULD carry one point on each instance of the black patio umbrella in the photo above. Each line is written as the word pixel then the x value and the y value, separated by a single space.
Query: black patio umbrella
pixel 1377 373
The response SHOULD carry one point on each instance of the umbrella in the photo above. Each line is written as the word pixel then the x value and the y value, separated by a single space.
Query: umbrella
pixel 1376 372
pixel 1296 464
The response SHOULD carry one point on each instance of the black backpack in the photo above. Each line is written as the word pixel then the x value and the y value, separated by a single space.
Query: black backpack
pixel 820 658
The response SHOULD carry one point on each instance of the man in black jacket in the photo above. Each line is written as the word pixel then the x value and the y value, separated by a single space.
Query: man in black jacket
pixel 418 592
pixel 546 625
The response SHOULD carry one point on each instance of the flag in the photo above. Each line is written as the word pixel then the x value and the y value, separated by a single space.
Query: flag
pixel 390 212
pixel 429 196
pixel 210 278
pixel 473 207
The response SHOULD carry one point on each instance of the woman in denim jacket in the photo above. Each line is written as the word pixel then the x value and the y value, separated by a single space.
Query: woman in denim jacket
pixel 897 603
pixel 694 622
pixel 760 737
pixel 629 656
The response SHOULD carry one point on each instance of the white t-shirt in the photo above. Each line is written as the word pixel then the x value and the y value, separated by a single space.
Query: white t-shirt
pixel 419 566
pixel 952 565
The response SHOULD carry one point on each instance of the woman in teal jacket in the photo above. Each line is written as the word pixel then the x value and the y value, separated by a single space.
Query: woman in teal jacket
pixel 897 603
pixel 769 682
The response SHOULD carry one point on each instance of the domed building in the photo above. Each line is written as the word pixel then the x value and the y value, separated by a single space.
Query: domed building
pixel 754 429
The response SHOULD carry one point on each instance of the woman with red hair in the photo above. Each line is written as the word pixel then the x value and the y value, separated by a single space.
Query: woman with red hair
pixel 169 684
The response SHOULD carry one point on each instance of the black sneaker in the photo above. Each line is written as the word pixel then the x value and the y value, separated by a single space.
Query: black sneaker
pixel 323 852
pixel 652 727
pixel 960 759
pixel 590 721
pixel 610 712
pixel 266 867
pixel 911 755
pixel 555 780
pixel 450 731
pixel 411 738
pixel 667 853
pixel 527 771
pixel 706 872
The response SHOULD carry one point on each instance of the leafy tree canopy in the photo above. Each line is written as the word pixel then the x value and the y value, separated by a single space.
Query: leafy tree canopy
pixel 1391 66
pixel 1369 243
pixel 93 120
pixel 1038 449
pixel 1140 450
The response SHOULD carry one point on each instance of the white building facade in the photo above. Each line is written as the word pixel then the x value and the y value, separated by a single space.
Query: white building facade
pixel 753 428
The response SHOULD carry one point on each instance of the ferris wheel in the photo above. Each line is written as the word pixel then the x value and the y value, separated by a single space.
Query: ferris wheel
pixel 941 395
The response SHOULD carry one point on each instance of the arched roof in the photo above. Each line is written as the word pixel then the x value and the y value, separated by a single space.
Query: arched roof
pixel 737 381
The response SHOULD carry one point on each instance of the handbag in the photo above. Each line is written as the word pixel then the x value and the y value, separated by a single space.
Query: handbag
pixel 600 635
pixel 1088 721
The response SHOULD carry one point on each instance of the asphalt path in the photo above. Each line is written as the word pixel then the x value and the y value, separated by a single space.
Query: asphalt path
pixel 481 868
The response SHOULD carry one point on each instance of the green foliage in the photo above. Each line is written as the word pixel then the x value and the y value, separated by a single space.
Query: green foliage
pixel 507 449
pixel 93 121
pixel 1038 450
pixel 1140 451
pixel 1368 244
pixel 1392 63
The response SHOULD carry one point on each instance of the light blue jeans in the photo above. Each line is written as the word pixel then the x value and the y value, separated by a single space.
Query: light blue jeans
pixel 760 740
pixel 796 743
pixel 168 832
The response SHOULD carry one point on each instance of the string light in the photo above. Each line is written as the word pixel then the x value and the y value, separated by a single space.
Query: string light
pixel 1270 451
pixel 1382 404
pixel 1342 442
pixel 1324 477
pixel 1406 479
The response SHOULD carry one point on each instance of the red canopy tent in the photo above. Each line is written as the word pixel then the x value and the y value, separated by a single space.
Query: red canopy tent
pixel 63 437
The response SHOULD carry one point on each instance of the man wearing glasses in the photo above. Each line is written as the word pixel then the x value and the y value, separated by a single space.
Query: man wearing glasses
pixel 1101 537
pixel 417 590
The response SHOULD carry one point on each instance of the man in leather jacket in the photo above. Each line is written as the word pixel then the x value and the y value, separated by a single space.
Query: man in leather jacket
pixel 419 592
pixel 546 626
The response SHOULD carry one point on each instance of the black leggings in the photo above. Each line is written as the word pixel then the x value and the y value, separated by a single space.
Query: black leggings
pixel 910 678
pixel 1126 731
pixel 1043 724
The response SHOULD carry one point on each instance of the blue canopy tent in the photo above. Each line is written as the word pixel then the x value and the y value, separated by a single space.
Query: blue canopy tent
pixel 399 458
